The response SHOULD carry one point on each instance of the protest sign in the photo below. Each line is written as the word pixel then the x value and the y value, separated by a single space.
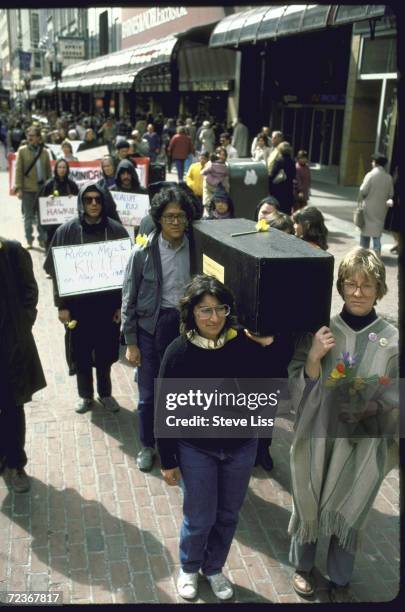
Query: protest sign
pixel 142 169
pixel 83 172
pixel 92 154
pixel 57 148
pixel 55 211
pixel 131 207
pixel 90 268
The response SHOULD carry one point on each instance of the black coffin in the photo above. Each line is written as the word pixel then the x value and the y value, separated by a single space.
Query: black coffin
pixel 281 283
pixel 248 185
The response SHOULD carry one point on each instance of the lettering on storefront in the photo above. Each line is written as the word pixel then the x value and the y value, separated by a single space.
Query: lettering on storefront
pixel 151 18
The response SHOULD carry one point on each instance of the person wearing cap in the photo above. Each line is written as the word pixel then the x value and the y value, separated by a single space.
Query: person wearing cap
pixel 221 205
pixel 94 340
pixel 376 189
pixel 207 137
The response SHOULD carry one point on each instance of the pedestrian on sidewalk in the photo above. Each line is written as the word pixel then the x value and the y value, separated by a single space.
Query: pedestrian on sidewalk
pixel 59 185
pixel 214 471
pixel 376 189
pixel 21 371
pixel 180 147
pixel 155 278
pixel 93 337
pixel 302 182
pixel 215 173
pixel 33 168
pixel 344 434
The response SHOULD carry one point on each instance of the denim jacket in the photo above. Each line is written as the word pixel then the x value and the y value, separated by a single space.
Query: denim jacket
pixel 142 290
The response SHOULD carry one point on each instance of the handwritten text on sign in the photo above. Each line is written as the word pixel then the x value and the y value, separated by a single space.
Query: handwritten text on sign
pixel 88 268
pixel 54 211
pixel 131 207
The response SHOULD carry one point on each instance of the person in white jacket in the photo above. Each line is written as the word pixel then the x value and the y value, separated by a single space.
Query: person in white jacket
pixel 376 189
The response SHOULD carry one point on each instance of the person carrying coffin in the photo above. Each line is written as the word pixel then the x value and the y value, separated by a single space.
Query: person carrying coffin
pixel 92 320
pixel 155 278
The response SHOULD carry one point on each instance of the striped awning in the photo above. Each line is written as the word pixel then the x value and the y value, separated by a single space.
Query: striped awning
pixel 117 70
pixel 271 22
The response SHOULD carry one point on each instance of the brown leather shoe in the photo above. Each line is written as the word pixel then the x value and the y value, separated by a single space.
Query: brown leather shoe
pixel 19 480
pixel 303 583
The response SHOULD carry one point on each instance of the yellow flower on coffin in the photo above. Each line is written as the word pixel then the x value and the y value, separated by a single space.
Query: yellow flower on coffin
pixel 72 324
pixel 141 239
pixel 262 226
pixel 55 193
pixel 336 374
pixel 231 334
pixel 358 383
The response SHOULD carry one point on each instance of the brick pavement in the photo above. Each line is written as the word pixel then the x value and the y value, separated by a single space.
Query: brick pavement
pixel 100 531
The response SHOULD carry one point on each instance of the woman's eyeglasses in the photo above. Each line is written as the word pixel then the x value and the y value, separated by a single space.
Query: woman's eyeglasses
pixel 90 199
pixel 171 219
pixel 367 289
pixel 206 312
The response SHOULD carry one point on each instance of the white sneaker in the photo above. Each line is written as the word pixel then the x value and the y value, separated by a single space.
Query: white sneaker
pixel 187 584
pixel 220 586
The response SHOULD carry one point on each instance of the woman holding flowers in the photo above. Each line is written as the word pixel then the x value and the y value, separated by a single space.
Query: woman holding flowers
pixel 343 387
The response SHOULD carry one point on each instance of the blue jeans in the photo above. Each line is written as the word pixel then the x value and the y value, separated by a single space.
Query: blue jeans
pixel 180 168
pixel 214 486
pixel 365 242
pixel 340 562
pixel 145 378
pixel 31 216
pixel 152 349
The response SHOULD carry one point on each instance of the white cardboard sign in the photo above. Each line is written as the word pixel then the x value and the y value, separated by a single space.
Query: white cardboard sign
pixel 90 268
pixel 131 207
pixel 54 211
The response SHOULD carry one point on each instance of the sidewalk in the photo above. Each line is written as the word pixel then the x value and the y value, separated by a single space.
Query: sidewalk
pixel 100 531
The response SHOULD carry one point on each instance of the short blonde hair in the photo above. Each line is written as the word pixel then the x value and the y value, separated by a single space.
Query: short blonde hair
pixel 284 148
pixel 366 262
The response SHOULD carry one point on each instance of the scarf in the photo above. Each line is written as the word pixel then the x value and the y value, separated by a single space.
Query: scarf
pixel 194 337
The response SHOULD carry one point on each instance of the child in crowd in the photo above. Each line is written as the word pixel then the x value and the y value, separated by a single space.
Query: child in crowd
pixel 215 173
pixel 281 221
pixel 302 181
pixel 221 205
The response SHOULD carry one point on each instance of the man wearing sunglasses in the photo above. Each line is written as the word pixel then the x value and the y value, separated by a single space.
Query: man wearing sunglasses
pixel 94 340
pixel 155 278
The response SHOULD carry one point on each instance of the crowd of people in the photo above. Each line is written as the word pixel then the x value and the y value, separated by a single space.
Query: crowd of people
pixel 176 326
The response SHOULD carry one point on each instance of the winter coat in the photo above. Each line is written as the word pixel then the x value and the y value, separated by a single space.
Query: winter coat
pixel 21 371
pixel 93 311
pixel 240 139
pixel 126 164
pixel 283 191
pixel 25 157
pixel 180 146
pixel 377 187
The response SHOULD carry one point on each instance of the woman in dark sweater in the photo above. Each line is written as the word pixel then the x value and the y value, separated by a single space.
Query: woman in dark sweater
pixel 215 472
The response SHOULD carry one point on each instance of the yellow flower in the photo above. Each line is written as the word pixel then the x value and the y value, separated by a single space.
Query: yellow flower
pixel 336 374
pixel 358 383
pixel 262 226
pixel 72 324
pixel 231 334
pixel 55 193
pixel 141 239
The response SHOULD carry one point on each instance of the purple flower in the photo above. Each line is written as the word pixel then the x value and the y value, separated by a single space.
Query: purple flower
pixel 347 359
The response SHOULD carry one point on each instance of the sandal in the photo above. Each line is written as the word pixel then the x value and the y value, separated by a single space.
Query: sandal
pixel 303 583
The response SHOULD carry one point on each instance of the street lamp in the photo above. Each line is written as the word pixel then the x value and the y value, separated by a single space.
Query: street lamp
pixel 55 60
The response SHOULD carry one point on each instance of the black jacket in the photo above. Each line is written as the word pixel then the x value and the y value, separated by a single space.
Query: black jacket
pixel 21 372
pixel 126 164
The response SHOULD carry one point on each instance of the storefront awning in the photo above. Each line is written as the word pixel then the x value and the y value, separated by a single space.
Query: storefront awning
pixel 204 69
pixel 270 22
pixel 117 70
pixel 44 85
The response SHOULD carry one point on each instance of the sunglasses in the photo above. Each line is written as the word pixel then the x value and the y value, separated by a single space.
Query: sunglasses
pixel 90 199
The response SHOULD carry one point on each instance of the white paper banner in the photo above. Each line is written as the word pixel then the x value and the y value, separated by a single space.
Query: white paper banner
pixel 89 268
pixel 54 211
pixel 57 148
pixel 92 154
pixel 82 173
pixel 131 207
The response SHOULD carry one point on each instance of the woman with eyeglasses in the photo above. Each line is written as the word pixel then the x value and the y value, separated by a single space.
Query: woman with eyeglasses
pixel 94 341
pixel 215 471
pixel 344 390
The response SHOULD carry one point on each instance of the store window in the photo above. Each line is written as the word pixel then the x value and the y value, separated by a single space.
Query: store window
pixel 379 55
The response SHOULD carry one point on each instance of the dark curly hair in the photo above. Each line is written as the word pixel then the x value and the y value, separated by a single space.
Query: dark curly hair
pixel 170 195
pixel 200 285
pixel 313 226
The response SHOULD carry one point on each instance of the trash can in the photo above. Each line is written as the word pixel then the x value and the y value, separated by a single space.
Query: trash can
pixel 248 181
